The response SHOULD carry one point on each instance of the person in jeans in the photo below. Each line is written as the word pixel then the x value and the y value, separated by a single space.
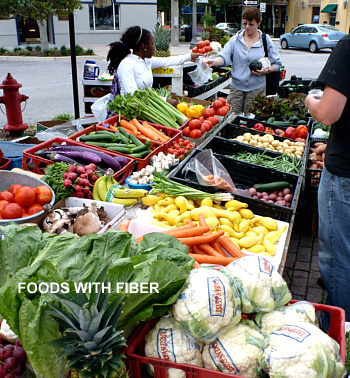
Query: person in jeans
pixel 333 108
pixel 239 52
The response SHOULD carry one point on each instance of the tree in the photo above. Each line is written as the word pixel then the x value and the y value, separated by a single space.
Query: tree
pixel 39 10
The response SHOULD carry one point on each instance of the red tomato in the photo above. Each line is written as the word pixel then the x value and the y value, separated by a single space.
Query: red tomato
pixel 206 48
pixel 222 111
pixel 207 42
pixel 202 118
pixel 209 112
pixel 7 196
pixel 3 203
pixel 181 142
pixel 25 196
pixel 186 142
pixel 12 211
pixel 186 131
pixel 200 45
pixel 195 50
pixel 13 188
pixel 214 120
pixel 176 146
pixel 217 104
pixel 227 105
pixel 188 147
pixel 195 134
pixel 201 51
pixel 203 129
pixel 223 100
pixel 195 124
pixel 206 126
pixel 210 48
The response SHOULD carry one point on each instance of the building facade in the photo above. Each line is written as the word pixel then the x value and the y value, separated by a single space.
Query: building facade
pixel 100 21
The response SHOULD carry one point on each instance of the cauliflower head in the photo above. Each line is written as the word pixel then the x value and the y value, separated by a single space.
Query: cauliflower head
pixel 260 286
pixel 167 341
pixel 302 350
pixel 206 305
pixel 236 351
pixel 276 319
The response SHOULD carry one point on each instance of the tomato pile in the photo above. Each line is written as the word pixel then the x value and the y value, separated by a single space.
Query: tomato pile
pixel 221 107
pixel 198 126
pixel 202 47
pixel 180 148
pixel 22 201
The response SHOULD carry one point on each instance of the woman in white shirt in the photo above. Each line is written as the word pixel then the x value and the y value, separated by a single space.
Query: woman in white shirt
pixel 133 70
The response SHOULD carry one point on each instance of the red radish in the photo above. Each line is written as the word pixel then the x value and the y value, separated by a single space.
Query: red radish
pixel 80 169
pixel 72 176
pixel 83 175
pixel 94 178
pixel 88 195
pixel 78 194
pixel 67 183
pixel 78 188
pixel 72 168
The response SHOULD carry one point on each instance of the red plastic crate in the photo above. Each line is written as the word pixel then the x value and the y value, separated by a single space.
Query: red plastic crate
pixel 173 134
pixel 4 163
pixel 29 158
pixel 156 147
pixel 137 362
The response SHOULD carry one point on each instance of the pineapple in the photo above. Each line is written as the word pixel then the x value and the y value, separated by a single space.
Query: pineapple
pixel 91 343
pixel 162 41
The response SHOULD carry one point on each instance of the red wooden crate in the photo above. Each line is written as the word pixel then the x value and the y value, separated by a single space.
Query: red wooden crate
pixel 173 134
pixel 156 147
pixel 137 363
pixel 29 158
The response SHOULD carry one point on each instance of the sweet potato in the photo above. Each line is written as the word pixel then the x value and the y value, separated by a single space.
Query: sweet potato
pixel 312 158
pixel 313 166
pixel 323 156
pixel 321 149
pixel 320 164
pixel 318 144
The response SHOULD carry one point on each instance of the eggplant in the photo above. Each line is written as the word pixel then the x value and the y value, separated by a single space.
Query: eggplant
pixel 122 160
pixel 85 157
pixel 108 160
pixel 43 153
pixel 57 157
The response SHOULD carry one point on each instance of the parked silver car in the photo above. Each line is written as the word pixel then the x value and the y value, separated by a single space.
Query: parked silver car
pixel 227 27
pixel 312 36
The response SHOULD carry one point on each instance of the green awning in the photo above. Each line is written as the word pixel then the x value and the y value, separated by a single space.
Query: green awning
pixel 329 8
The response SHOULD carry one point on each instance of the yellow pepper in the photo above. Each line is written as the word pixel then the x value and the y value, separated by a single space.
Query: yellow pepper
pixel 182 107
pixel 192 112
pixel 199 107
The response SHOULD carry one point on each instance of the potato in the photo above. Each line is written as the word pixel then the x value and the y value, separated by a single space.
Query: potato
pixel 247 136
pixel 320 164
pixel 318 144
pixel 321 149
pixel 313 166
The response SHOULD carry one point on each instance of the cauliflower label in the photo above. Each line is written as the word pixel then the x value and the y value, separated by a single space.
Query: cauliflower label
pixel 165 344
pixel 217 296
pixel 265 266
pixel 294 332
pixel 221 358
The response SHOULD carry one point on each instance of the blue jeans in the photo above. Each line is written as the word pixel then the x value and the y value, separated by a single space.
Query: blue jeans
pixel 334 239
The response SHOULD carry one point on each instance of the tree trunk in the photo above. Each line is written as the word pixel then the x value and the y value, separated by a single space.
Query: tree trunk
pixel 44 41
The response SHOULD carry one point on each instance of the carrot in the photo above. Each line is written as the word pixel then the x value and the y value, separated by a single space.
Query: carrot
pixel 194 231
pixel 124 225
pixel 195 265
pixel 162 136
pixel 143 130
pixel 113 128
pixel 217 248
pixel 128 125
pixel 228 245
pixel 182 228
pixel 220 260
pixel 209 250
pixel 190 250
pixel 202 239
pixel 139 239
pixel 127 130
pixel 201 220
pixel 197 250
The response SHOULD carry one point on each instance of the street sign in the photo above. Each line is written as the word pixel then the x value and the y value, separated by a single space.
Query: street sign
pixel 262 7
pixel 250 2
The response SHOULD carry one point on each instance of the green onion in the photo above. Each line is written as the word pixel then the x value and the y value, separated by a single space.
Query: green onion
pixel 162 184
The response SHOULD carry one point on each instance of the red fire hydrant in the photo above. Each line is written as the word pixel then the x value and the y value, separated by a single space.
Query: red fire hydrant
pixel 12 100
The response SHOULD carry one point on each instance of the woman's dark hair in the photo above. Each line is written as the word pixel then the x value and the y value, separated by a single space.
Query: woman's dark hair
pixel 252 14
pixel 132 38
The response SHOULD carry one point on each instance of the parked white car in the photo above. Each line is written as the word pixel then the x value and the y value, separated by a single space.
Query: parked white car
pixel 227 27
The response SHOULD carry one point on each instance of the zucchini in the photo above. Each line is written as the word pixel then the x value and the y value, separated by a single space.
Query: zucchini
pixel 97 138
pixel 293 120
pixel 281 123
pixel 135 140
pixel 271 120
pixel 271 186
pixel 301 122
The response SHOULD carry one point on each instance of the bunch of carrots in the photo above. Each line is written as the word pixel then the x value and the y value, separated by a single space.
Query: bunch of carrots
pixel 142 130
pixel 204 246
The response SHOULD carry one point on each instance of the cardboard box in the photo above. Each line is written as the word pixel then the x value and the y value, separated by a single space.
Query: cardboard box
pixel 190 99
pixel 114 212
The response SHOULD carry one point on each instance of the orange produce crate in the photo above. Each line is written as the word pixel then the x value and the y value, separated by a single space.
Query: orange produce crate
pixel 137 362
pixel 37 164
pixel 156 147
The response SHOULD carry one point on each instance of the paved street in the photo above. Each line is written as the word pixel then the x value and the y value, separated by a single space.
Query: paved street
pixel 48 81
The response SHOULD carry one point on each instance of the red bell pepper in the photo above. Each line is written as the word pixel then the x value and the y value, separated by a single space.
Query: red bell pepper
pixel 302 131
pixel 279 132
pixel 269 130
pixel 259 126
pixel 290 132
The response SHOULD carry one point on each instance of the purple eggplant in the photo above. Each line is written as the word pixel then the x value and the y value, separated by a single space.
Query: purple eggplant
pixel 108 160
pixel 58 157
pixel 44 153
pixel 85 157
pixel 122 160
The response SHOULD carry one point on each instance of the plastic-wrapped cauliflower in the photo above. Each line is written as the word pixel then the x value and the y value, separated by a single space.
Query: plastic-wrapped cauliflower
pixel 260 286
pixel 207 304
pixel 168 342
pixel 237 351
pixel 302 350
pixel 276 319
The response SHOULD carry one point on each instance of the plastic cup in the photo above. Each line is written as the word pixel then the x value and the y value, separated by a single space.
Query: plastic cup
pixel 317 93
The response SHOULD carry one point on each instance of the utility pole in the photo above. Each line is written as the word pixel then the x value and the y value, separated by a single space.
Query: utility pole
pixel 194 24
pixel 175 23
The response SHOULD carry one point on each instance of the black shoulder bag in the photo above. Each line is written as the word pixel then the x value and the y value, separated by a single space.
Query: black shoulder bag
pixel 272 78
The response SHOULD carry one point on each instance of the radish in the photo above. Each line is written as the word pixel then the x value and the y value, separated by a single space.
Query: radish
pixel 65 175
pixel 67 183
pixel 72 176
pixel 78 188
pixel 72 168
pixel 80 169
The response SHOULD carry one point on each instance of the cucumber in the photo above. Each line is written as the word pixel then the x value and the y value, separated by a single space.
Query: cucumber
pixel 97 138
pixel 281 123
pixel 135 140
pixel 271 120
pixel 293 119
pixel 301 122
pixel 271 186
